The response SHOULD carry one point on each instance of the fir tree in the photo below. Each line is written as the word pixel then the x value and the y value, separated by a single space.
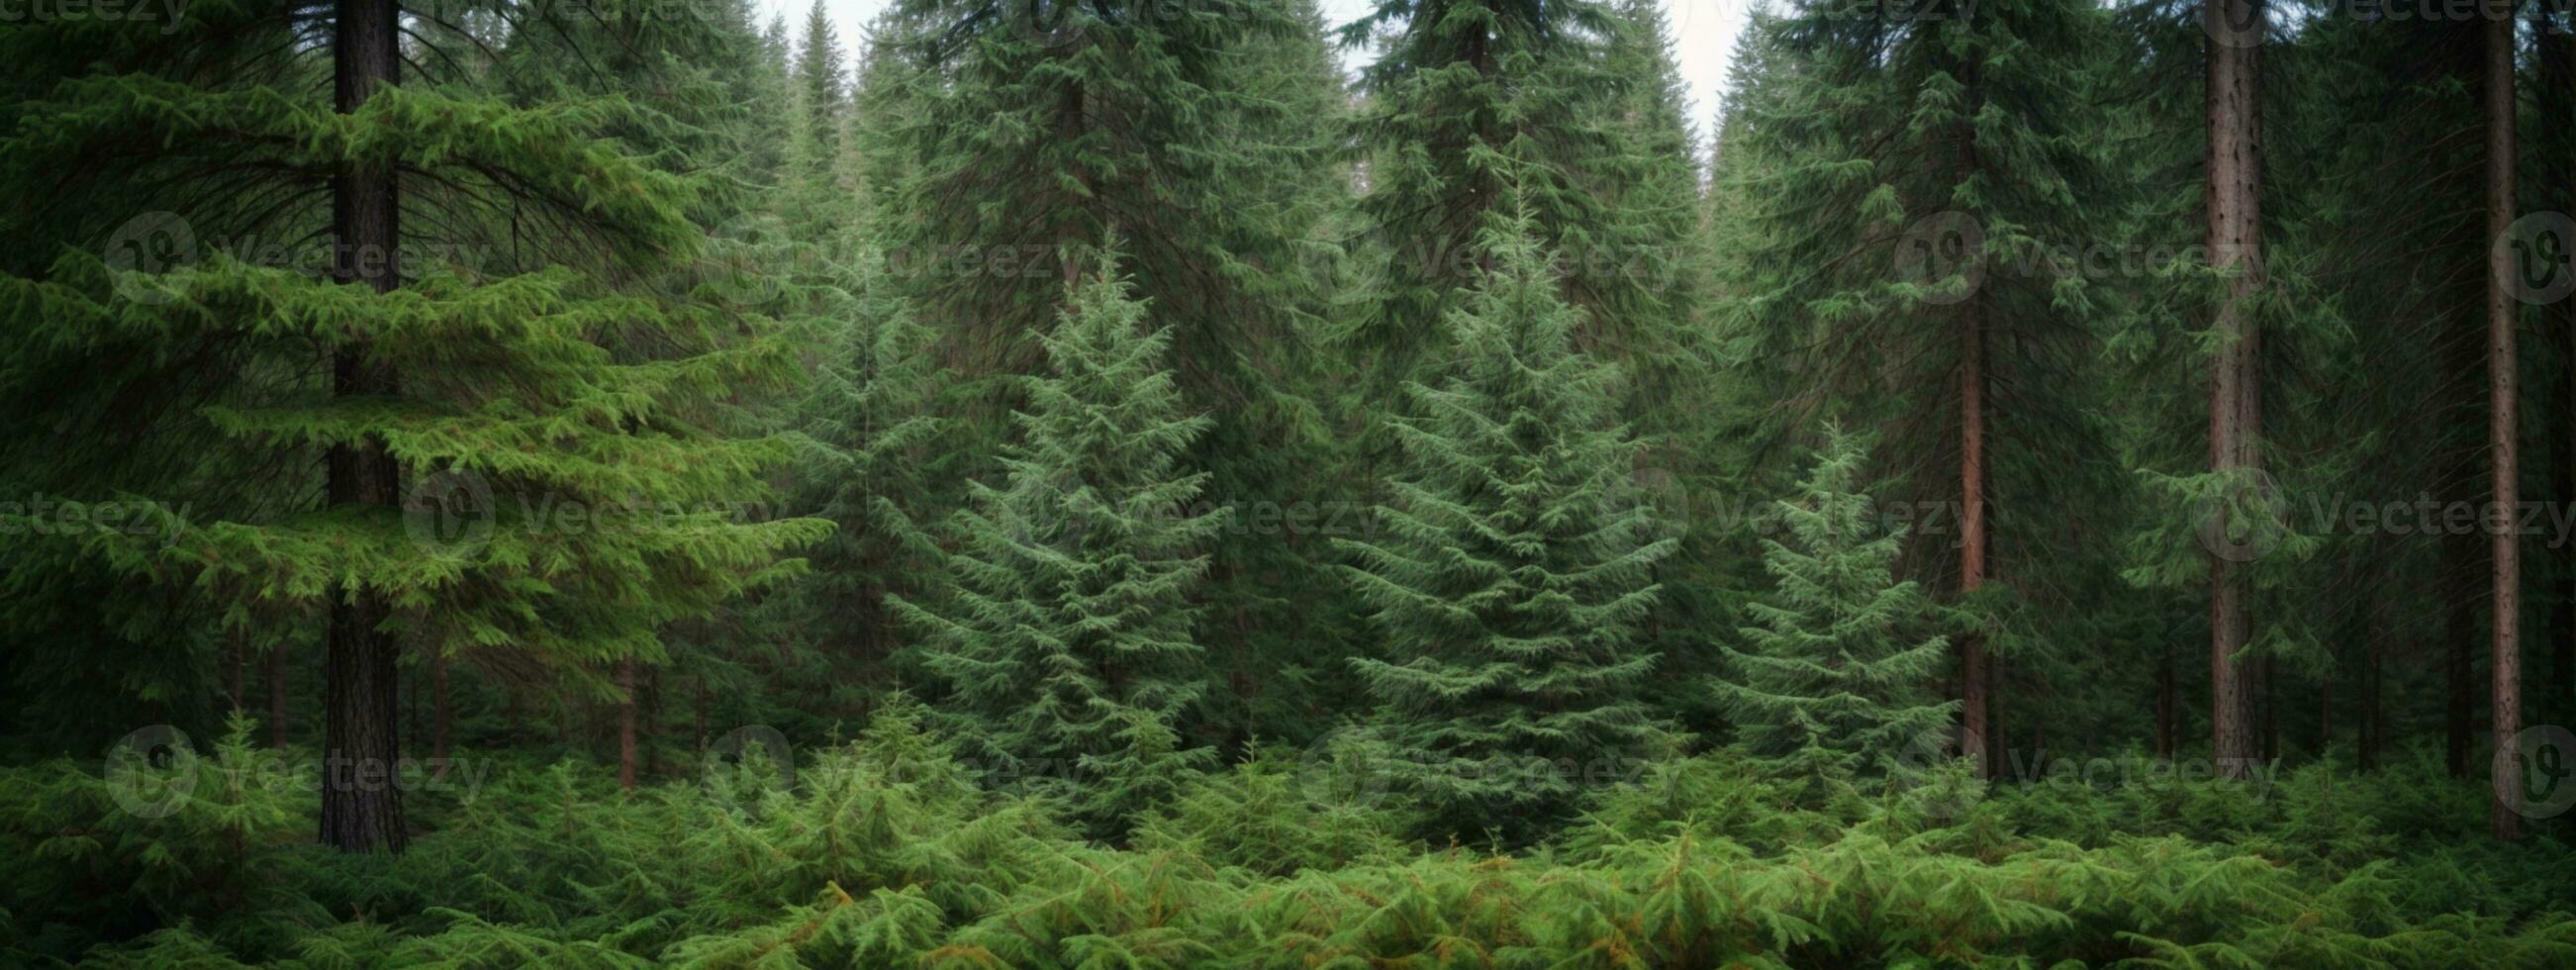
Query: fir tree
pixel 1830 685
pixel 1065 639
pixel 1514 572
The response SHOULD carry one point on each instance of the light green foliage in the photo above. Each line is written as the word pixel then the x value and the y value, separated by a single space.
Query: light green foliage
pixel 1828 685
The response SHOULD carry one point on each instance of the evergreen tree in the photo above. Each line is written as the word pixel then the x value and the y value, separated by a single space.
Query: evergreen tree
pixel 1065 637
pixel 1829 687
pixel 432 395
pixel 822 86
pixel 1514 572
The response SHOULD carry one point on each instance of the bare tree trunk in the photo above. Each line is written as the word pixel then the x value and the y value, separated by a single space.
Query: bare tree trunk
pixel 277 697
pixel 2374 647
pixel 238 680
pixel 626 724
pixel 2503 382
pixel 361 808
pixel 2235 172
pixel 2166 728
pixel 1973 674
pixel 441 715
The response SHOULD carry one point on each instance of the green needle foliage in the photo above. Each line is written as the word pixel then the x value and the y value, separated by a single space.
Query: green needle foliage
pixel 1829 686
pixel 1065 639
pixel 1513 573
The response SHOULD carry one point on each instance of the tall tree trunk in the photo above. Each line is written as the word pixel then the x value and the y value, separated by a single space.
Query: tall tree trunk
pixel 2166 709
pixel 277 697
pixel 626 724
pixel 2374 647
pixel 361 808
pixel 237 681
pixel 1973 679
pixel 2235 172
pixel 441 715
pixel 2503 383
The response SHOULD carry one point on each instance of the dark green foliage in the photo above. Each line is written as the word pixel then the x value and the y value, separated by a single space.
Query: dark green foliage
pixel 1065 639
pixel 1513 574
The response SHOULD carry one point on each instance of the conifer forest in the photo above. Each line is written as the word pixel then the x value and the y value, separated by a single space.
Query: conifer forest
pixel 1288 483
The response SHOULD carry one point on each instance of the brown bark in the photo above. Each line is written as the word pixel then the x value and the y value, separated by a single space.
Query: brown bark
pixel 2166 728
pixel 1973 675
pixel 2235 216
pixel 361 807
pixel 441 715
pixel 2373 648
pixel 626 724
pixel 277 697
pixel 237 680
pixel 2503 388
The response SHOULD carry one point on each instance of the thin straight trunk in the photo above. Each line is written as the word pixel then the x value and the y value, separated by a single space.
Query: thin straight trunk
pixel 361 809
pixel 626 724
pixel 1975 700
pixel 238 680
pixel 2374 646
pixel 441 715
pixel 2503 382
pixel 2235 171
pixel 277 697
pixel 2166 729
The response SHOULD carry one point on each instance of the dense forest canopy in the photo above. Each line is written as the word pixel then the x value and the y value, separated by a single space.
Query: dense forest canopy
pixel 1172 483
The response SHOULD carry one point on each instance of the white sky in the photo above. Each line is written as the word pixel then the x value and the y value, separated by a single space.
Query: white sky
pixel 1703 35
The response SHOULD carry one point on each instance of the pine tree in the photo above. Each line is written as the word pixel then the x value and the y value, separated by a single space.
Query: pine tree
pixel 1830 685
pixel 449 398
pixel 1065 638
pixel 1514 572
pixel 822 86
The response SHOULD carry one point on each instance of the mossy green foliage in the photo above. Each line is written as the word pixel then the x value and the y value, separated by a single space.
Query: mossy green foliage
pixel 883 851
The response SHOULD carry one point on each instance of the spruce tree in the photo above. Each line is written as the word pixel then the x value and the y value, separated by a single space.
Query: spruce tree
pixel 1511 573
pixel 1829 685
pixel 1065 636
pixel 434 396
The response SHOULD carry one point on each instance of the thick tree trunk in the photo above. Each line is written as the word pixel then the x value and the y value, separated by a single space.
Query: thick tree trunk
pixel 626 724
pixel 2235 171
pixel 361 806
pixel 1973 679
pixel 2503 383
